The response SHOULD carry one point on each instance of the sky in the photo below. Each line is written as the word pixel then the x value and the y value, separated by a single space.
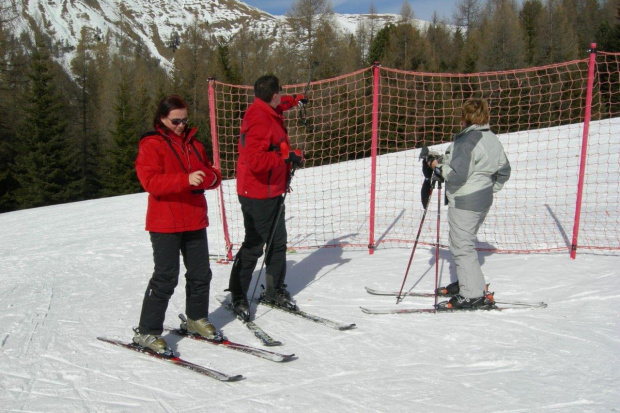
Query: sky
pixel 422 9
pixel 74 272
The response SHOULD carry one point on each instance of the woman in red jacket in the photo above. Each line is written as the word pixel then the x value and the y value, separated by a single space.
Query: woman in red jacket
pixel 174 169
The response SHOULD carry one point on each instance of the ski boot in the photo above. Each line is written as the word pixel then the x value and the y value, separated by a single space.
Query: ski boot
pixel 241 307
pixel 280 297
pixel 152 342
pixel 449 290
pixel 202 327
pixel 458 302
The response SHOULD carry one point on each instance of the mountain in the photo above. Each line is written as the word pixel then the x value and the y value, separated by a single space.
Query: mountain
pixel 152 22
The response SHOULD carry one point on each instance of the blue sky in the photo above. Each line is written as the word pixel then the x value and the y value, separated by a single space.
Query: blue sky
pixel 423 9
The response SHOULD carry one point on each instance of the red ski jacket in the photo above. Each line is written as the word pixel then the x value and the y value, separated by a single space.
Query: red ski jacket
pixel 263 146
pixel 163 165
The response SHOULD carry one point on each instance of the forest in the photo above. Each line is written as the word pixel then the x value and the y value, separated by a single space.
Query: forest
pixel 71 134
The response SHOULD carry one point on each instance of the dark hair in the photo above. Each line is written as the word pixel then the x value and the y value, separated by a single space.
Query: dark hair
pixel 167 105
pixel 265 87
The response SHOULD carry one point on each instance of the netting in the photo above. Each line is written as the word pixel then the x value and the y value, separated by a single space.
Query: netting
pixel 362 134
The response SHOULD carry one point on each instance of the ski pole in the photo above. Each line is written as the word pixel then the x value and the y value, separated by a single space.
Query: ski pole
pixel 302 109
pixel 272 231
pixel 437 241
pixel 415 244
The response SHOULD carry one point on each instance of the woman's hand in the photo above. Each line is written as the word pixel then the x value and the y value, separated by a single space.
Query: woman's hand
pixel 196 178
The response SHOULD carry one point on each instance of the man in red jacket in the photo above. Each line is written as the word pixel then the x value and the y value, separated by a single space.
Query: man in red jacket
pixel 263 171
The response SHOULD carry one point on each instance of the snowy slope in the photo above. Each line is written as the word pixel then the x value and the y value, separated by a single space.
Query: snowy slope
pixel 76 271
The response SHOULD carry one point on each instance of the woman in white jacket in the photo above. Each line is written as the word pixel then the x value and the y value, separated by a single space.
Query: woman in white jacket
pixel 474 168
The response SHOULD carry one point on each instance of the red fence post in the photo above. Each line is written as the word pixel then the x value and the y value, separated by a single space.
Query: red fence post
pixel 584 148
pixel 217 163
pixel 373 151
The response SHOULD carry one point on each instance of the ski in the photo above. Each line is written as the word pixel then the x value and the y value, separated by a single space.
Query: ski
pixel 403 294
pixel 372 291
pixel 254 351
pixel 170 357
pixel 299 313
pixel 434 310
pixel 252 326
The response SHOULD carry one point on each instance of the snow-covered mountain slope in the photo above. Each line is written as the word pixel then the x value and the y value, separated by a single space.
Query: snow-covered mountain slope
pixel 152 22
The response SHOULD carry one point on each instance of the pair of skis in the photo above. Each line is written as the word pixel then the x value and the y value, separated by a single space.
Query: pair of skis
pixel 499 305
pixel 170 357
pixel 220 340
pixel 266 338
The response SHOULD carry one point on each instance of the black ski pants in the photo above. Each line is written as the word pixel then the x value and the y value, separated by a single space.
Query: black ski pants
pixel 194 248
pixel 258 219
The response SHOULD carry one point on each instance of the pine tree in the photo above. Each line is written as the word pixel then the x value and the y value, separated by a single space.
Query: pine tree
pixel 90 152
pixel 380 44
pixel 558 39
pixel 121 178
pixel 45 165
pixel 12 79
pixel 608 35
pixel 443 46
pixel 502 45
pixel 588 19
pixel 530 17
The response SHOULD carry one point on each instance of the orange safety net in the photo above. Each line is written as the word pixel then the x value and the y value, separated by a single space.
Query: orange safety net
pixel 360 185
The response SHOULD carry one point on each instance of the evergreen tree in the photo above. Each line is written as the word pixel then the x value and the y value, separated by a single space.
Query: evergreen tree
pixel 230 70
pixel 608 35
pixel 502 44
pixel 443 49
pixel 12 79
pixel 90 150
pixel 407 49
pixel 121 178
pixel 588 19
pixel 380 44
pixel 531 16
pixel 45 165
pixel 558 40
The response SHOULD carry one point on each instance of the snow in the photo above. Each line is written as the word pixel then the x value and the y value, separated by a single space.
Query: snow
pixel 73 272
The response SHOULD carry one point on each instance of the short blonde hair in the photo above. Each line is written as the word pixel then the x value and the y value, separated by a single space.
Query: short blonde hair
pixel 475 112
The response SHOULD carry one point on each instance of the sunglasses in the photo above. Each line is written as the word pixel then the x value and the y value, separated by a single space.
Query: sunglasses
pixel 177 122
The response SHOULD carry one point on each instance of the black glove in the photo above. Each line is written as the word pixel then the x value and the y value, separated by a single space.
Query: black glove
pixel 295 157
pixel 427 170
pixel 426 186
pixel 437 177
